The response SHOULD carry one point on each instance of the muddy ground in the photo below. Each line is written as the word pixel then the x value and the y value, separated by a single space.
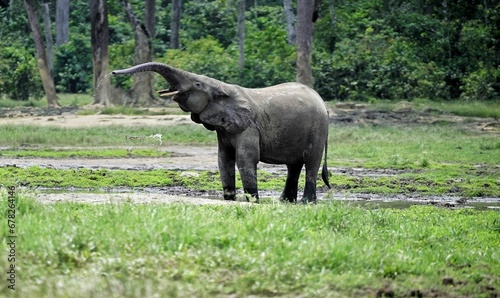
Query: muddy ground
pixel 190 159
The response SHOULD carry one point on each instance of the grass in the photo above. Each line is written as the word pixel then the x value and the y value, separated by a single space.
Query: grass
pixel 83 153
pixel 410 147
pixel 473 184
pixel 64 100
pixel 179 250
pixel 482 109
pixel 426 160
pixel 332 249
pixel 27 135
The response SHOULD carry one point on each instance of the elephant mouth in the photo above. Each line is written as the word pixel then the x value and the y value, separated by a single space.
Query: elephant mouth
pixel 168 92
pixel 181 99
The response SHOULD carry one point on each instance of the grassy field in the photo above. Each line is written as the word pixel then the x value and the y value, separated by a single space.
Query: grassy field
pixel 181 250
pixel 427 159
pixel 15 136
pixel 332 249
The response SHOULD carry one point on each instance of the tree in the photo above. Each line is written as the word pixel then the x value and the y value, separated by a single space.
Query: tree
pixel 99 38
pixel 48 39
pixel 47 82
pixel 175 24
pixel 62 22
pixel 241 35
pixel 290 21
pixel 142 86
pixel 306 16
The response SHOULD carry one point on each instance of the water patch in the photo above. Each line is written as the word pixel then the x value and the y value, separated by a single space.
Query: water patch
pixel 372 201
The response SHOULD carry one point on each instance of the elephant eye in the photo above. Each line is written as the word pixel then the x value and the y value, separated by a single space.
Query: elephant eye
pixel 197 84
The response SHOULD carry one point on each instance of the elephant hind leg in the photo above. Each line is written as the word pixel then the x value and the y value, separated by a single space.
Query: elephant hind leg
pixel 292 180
pixel 310 187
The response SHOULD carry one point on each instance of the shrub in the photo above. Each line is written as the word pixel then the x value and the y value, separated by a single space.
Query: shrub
pixel 20 78
pixel 73 65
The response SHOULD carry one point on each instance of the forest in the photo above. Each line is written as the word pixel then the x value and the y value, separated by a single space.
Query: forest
pixel 363 50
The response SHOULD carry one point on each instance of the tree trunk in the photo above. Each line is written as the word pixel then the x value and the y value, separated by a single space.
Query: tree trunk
pixel 62 22
pixel 48 39
pixel 99 38
pixel 142 82
pixel 48 84
pixel 290 21
pixel 305 9
pixel 241 36
pixel 149 16
pixel 175 24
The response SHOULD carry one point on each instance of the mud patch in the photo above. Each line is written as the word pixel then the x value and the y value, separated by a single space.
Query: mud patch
pixel 136 197
pixel 179 194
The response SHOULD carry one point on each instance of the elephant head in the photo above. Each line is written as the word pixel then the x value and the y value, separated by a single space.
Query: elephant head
pixel 211 102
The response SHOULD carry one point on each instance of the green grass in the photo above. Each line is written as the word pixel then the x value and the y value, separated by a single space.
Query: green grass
pixel 411 147
pixel 82 153
pixel 179 250
pixel 482 109
pixel 428 160
pixel 64 100
pixel 27 135
pixel 461 183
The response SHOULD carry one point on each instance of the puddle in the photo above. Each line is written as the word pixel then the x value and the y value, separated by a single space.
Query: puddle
pixel 188 195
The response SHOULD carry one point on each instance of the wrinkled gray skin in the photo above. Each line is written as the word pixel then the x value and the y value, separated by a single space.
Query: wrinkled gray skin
pixel 282 124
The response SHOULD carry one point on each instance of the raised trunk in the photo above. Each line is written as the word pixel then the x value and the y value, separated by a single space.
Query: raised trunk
pixel 171 74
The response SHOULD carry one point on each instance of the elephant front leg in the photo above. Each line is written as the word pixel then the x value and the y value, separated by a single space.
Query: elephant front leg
pixel 246 161
pixel 227 172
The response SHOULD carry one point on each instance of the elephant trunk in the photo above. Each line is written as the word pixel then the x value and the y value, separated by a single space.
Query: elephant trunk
pixel 171 74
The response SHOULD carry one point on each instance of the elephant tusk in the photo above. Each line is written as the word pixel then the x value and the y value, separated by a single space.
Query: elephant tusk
pixel 167 94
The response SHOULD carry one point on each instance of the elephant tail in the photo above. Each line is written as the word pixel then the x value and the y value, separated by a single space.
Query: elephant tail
pixel 324 171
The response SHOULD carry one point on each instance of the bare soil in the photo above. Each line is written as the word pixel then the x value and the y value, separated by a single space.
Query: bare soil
pixel 194 158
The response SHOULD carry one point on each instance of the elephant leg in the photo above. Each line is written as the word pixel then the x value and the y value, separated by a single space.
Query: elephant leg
pixel 247 157
pixel 310 187
pixel 292 181
pixel 227 171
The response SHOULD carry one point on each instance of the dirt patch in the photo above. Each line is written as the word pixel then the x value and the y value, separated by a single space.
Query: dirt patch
pixel 139 198
pixel 405 114
pixel 71 120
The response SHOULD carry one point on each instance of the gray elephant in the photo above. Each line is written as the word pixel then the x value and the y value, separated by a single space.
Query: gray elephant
pixel 282 124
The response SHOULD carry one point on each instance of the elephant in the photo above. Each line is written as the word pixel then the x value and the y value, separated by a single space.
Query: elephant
pixel 282 124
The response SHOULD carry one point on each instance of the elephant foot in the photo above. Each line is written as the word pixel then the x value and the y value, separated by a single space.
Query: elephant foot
pixel 252 195
pixel 307 201
pixel 229 195
pixel 292 200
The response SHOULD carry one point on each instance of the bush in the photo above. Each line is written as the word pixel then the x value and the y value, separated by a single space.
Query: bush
pixel 73 65
pixel 205 56
pixel 482 84
pixel 19 78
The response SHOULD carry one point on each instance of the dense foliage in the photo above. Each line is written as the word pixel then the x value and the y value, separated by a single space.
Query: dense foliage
pixel 369 50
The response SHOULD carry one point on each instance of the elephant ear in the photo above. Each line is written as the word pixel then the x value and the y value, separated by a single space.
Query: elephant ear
pixel 196 119
pixel 232 113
